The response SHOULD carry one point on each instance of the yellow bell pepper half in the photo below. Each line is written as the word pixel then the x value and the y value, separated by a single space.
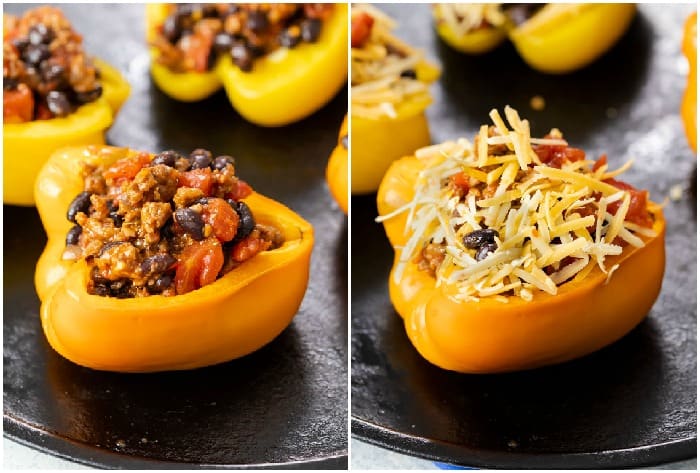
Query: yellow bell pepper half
pixel 690 96
pixel 376 143
pixel 561 38
pixel 491 336
pixel 27 146
pixel 479 41
pixel 227 319
pixel 283 87
pixel 337 170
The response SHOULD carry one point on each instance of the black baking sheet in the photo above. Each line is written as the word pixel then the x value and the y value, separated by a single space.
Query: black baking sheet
pixel 284 406
pixel 631 404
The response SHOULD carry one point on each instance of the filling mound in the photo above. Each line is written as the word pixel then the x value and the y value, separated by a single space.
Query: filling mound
pixel 165 225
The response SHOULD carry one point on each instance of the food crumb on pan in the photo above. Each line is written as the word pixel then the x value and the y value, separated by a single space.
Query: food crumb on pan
pixel 537 103
pixel 675 193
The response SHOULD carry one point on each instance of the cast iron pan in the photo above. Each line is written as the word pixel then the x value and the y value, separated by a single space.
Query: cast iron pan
pixel 283 406
pixel 631 404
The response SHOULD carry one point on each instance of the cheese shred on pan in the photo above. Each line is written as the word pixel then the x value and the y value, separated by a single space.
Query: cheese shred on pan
pixel 464 18
pixel 378 85
pixel 553 225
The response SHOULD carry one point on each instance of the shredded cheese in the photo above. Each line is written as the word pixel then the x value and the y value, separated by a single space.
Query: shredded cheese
pixel 554 224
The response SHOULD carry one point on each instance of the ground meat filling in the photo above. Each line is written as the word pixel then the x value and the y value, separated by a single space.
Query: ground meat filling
pixel 167 225
pixel 46 73
pixel 193 36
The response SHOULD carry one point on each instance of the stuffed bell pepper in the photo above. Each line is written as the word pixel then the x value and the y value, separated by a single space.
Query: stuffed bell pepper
pixel 513 252
pixel 277 62
pixel 337 170
pixel 554 38
pixel 164 262
pixel 54 95
pixel 389 96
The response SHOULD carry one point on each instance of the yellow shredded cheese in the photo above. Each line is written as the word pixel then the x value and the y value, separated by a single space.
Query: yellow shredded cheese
pixel 377 84
pixel 554 225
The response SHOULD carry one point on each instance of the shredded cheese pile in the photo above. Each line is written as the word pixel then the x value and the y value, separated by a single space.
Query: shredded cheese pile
pixel 533 204
pixel 463 18
pixel 377 85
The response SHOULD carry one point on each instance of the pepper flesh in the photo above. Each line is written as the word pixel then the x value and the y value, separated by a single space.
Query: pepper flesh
pixel 219 322
pixel 27 146
pixel 690 96
pixel 378 142
pixel 337 170
pixel 283 87
pixel 490 336
pixel 561 38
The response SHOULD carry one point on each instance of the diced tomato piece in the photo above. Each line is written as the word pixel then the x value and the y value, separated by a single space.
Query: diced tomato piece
pixel 602 161
pixel 197 178
pixel 18 105
pixel 555 156
pixel 249 247
pixel 637 212
pixel 222 218
pixel 127 168
pixel 361 29
pixel 241 191
pixel 460 180
pixel 198 265
pixel 196 48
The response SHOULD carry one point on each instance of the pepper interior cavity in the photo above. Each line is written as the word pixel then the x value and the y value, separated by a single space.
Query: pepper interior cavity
pixel 193 36
pixel 46 73
pixel 167 224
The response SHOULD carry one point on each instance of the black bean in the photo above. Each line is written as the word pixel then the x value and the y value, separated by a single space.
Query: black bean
pixel 200 158
pixel 35 53
pixel 310 30
pixel 120 288
pixel 90 95
pixel 223 42
pixel 201 201
pixel 54 73
pixel 100 289
pixel 257 50
pixel 257 21
pixel 485 250
pixel 160 284
pixel 81 203
pixel 58 103
pixel 289 38
pixel 480 237
pixel 20 44
pixel 191 222
pixel 171 29
pixel 117 219
pixel 157 263
pixel 409 74
pixel 220 162
pixel 40 34
pixel 246 221
pixel 242 57
pixel 9 83
pixel 344 141
pixel 73 235
pixel 210 11
pixel 166 157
